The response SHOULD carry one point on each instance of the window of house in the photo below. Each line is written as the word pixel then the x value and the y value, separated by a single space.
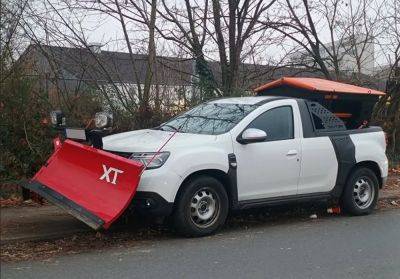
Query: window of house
pixel 276 122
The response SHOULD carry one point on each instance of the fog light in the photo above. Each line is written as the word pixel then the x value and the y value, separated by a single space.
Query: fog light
pixel 148 202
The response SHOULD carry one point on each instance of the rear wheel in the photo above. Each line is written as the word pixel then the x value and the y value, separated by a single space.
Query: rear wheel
pixel 201 208
pixel 361 193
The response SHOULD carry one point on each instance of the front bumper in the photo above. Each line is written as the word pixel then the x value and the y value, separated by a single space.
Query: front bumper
pixel 163 181
pixel 151 203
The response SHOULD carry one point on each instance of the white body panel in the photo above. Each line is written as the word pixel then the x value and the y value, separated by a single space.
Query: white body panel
pixel 264 169
pixel 371 147
pixel 268 169
pixel 319 165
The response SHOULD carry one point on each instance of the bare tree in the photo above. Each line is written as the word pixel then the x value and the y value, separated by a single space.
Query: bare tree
pixel 332 37
pixel 225 27
pixel 190 22
pixel 61 24
pixel 11 18
pixel 387 111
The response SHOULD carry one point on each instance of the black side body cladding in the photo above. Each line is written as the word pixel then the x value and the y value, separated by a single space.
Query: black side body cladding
pixel 306 122
pixel 232 175
pixel 346 157
pixel 284 200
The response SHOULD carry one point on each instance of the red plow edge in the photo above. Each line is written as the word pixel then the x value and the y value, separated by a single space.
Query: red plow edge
pixel 93 185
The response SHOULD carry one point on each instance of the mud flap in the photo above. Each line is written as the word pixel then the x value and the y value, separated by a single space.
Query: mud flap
pixel 93 185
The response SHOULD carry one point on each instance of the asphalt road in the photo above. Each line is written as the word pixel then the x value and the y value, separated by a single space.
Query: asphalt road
pixel 331 247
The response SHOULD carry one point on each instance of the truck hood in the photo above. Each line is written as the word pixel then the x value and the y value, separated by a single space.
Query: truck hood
pixel 150 140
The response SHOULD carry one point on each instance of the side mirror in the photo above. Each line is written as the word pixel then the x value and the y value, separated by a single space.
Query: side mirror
pixel 251 135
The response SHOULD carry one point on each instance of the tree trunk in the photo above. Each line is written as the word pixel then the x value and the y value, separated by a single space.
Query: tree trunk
pixel 145 113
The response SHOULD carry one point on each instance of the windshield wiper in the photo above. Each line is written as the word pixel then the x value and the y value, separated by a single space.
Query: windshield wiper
pixel 169 126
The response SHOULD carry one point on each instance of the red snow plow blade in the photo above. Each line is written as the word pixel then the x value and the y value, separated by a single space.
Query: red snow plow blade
pixel 93 185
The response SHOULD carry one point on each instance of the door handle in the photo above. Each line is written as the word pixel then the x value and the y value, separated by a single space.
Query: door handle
pixel 291 152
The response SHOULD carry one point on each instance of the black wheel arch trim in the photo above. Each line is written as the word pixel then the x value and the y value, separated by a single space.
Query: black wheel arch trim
pixel 345 152
pixel 228 179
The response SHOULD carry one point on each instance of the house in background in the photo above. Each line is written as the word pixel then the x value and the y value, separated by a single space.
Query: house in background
pixel 355 54
pixel 66 73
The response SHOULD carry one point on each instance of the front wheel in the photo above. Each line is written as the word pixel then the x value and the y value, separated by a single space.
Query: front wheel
pixel 361 193
pixel 201 208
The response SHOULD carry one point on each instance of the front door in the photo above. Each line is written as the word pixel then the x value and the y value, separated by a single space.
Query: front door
pixel 270 168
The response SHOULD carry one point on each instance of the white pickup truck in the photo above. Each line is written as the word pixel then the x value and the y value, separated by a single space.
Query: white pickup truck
pixel 238 153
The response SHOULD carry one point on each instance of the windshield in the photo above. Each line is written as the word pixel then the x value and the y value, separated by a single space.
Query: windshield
pixel 209 118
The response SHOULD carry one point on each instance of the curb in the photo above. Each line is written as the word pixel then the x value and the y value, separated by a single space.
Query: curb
pixel 390 197
pixel 42 237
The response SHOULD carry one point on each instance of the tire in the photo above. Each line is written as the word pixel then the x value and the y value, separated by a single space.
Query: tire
pixel 201 208
pixel 361 192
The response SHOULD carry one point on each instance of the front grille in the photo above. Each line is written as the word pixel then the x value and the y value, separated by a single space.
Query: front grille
pixel 122 154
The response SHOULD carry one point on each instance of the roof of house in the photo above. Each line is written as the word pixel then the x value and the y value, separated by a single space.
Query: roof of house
pixel 120 67
pixel 107 66
pixel 317 85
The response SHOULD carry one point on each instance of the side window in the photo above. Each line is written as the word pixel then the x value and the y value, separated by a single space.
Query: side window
pixel 276 122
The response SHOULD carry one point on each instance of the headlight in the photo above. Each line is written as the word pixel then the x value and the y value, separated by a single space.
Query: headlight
pixel 145 158
pixel 103 120
pixel 57 118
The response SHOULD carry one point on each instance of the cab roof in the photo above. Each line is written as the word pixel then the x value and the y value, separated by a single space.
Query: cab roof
pixel 317 85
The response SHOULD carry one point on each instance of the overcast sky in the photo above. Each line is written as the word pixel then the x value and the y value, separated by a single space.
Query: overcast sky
pixel 107 31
